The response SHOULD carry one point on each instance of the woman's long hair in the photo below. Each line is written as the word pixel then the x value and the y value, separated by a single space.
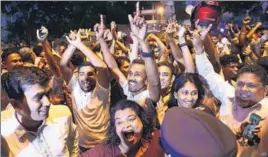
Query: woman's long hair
pixel 113 138
pixel 180 80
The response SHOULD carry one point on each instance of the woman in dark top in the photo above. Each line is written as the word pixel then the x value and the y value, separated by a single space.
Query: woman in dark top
pixel 130 134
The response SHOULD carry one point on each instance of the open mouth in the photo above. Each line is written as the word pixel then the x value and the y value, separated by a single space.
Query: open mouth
pixel 131 83
pixel 129 135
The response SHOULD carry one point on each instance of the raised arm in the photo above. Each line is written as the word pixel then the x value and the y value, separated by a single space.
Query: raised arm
pixel 52 63
pixel 114 33
pixel 102 76
pixel 108 57
pixel 65 59
pixel 187 57
pixel 139 28
pixel 221 89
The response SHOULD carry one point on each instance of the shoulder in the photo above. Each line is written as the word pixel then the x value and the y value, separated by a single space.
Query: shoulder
pixel 57 111
pixel 6 114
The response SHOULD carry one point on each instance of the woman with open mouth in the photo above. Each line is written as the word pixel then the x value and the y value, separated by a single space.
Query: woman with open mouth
pixel 130 134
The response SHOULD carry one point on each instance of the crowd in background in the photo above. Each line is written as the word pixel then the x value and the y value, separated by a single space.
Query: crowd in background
pixel 185 91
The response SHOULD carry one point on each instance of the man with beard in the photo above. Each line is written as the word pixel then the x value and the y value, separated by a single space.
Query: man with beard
pixel 238 103
pixel 135 84
pixel 90 93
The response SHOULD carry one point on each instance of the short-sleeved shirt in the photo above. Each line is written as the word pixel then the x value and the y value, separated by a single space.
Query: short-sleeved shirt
pixel 91 113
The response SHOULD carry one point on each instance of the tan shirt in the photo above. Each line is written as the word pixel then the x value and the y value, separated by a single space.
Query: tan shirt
pixel 57 136
pixel 91 113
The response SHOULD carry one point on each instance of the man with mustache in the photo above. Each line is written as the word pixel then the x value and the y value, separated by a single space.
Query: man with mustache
pixel 141 71
pixel 239 102
pixel 90 93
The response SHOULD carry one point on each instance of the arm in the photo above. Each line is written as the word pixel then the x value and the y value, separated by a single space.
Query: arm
pixel 114 33
pixel 176 52
pixel 135 49
pixel 42 36
pixel 243 32
pixel 65 59
pixel 108 58
pixel 139 28
pixel 188 60
pixel 216 83
pixel 110 61
pixel 152 73
pixel 212 52
pixel 161 45
pixel 102 77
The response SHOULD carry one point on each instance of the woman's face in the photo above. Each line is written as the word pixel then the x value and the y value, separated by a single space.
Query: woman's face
pixel 187 95
pixel 128 126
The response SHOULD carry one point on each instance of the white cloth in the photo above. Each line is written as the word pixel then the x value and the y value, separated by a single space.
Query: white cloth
pixel 57 136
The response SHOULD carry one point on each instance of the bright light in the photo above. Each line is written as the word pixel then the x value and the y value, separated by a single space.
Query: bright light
pixel 222 30
pixel 160 10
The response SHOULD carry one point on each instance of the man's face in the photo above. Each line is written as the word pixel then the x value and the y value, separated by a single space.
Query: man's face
pixel 165 77
pixel 215 39
pixel 87 78
pixel 136 78
pixel 124 67
pixel 35 105
pixel 61 49
pixel 230 70
pixel 13 60
pixel 187 95
pixel 128 126
pixel 249 90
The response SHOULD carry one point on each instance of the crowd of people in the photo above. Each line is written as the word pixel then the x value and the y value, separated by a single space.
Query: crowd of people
pixel 194 93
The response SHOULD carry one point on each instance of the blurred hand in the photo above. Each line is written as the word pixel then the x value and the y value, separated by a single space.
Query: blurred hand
pixel 42 33
pixel 247 20
pixel 137 24
pixel 199 35
pixel 74 38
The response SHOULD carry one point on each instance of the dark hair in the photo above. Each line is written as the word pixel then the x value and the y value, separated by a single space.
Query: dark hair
pixel 138 61
pixel 228 59
pixel 180 80
pixel 37 50
pixel 83 64
pixel 77 58
pixel 113 138
pixel 167 64
pixel 26 55
pixel 256 69
pixel 15 81
pixel 8 52
pixel 120 60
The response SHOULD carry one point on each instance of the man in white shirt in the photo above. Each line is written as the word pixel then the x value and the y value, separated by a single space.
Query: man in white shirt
pixel 142 80
pixel 90 93
pixel 238 103
pixel 34 127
